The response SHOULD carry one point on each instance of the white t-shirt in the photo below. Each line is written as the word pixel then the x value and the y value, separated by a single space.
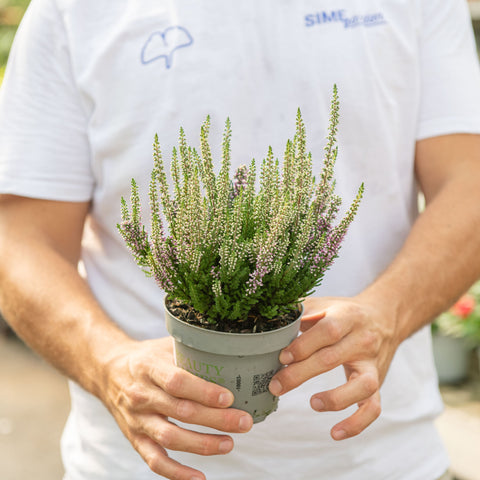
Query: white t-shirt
pixel 90 82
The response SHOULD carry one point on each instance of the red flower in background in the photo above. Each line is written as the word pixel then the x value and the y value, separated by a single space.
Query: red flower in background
pixel 464 306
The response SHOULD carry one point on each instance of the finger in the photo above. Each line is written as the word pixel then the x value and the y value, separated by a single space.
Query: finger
pixel 188 411
pixel 309 320
pixel 159 462
pixel 172 437
pixel 327 331
pixel 182 384
pixel 321 361
pixel 140 400
pixel 368 411
pixel 358 388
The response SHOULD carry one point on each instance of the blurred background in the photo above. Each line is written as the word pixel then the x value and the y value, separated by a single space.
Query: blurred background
pixel 11 12
pixel 34 399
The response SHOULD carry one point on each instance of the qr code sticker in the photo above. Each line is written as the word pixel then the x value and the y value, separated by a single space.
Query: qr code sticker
pixel 261 382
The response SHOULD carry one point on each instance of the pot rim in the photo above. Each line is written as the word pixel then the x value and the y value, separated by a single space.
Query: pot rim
pixel 229 343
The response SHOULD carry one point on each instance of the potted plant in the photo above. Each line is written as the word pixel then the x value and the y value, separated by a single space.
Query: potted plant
pixel 455 333
pixel 238 260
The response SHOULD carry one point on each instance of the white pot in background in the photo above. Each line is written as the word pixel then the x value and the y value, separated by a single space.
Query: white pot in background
pixel 452 358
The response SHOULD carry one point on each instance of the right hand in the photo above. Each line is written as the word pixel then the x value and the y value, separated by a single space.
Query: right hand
pixel 143 388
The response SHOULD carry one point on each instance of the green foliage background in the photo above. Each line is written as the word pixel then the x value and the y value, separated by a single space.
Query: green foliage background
pixel 11 12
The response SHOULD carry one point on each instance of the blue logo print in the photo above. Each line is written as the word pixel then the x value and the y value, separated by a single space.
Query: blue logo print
pixel 163 44
pixel 342 17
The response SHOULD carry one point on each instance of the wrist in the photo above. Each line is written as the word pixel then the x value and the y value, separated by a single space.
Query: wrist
pixel 390 308
pixel 106 347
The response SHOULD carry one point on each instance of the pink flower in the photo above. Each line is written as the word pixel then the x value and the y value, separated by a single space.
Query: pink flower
pixel 464 306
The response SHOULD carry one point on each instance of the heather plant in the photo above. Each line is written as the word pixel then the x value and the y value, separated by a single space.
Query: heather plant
pixel 231 249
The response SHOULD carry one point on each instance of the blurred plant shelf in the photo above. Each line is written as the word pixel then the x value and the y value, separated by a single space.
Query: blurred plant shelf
pixel 474 9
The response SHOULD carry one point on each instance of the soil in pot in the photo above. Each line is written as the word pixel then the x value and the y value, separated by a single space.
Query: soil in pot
pixel 254 323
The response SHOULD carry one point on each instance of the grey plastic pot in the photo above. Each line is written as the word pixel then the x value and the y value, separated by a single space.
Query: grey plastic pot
pixel 242 362
pixel 452 358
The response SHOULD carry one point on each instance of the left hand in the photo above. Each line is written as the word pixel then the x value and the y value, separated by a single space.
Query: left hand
pixel 352 332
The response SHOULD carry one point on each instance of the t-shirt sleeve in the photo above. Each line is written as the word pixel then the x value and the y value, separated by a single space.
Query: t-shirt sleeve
pixel 450 76
pixel 44 147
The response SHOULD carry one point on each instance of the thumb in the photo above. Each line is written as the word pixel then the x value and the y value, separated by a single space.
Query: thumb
pixel 310 318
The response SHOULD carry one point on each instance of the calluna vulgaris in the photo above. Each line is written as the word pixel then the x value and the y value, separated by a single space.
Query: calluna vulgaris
pixel 231 250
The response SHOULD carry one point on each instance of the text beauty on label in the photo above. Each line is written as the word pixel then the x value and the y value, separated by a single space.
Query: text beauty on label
pixel 207 371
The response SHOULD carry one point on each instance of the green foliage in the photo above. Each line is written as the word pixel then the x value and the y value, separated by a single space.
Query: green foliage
pixel 11 12
pixel 232 250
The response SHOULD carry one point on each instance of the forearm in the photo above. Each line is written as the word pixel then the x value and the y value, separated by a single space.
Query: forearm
pixel 439 261
pixel 50 306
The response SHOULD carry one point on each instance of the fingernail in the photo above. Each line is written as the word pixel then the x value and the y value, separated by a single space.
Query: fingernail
pixel 245 423
pixel 317 404
pixel 339 434
pixel 225 446
pixel 196 478
pixel 225 399
pixel 275 387
pixel 286 358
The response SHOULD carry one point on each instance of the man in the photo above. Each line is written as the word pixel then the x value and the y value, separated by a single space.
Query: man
pixel 88 85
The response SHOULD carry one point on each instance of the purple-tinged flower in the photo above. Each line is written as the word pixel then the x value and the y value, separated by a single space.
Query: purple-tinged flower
pixel 240 181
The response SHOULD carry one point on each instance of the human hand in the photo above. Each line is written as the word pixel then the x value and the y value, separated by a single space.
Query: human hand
pixel 143 388
pixel 352 332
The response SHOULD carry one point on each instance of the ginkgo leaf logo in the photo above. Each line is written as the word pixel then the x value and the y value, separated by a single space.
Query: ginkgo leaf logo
pixel 163 44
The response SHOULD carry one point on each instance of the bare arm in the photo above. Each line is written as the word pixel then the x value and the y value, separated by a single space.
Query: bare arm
pixel 438 262
pixel 441 257
pixel 50 306
pixel 42 296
